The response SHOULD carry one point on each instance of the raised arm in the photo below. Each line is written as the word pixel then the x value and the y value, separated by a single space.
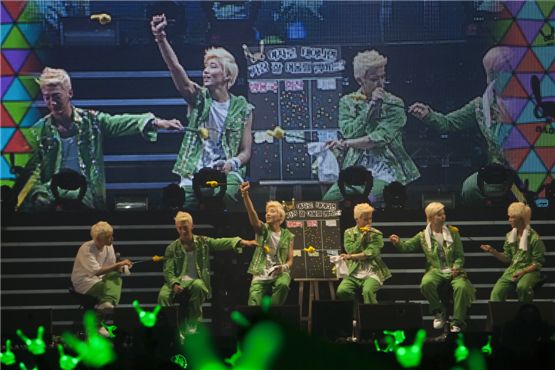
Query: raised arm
pixel 187 88
pixel 253 216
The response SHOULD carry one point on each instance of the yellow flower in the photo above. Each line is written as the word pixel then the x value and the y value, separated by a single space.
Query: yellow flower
pixel 310 249
pixel 279 133
pixel 453 229
pixel 359 96
pixel 203 133
pixel 212 184
pixel 157 258
pixel 266 249
pixel 364 229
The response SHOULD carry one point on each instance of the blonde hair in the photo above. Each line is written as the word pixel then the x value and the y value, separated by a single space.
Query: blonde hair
pixel 279 208
pixel 366 60
pixel 54 77
pixel 497 60
pixel 520 210
pixel 362 208
pixel 226 60
pixel 101 228
pixel 182 217
pixel 433 209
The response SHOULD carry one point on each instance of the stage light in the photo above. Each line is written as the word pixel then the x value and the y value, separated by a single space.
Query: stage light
pixel 131 203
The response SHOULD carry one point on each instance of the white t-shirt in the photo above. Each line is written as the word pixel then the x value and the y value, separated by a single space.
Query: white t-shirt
pixel 191 266
pixel 271 258
pixel 88 262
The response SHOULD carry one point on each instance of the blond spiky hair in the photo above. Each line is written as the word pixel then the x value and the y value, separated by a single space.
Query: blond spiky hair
pixel 497 60
pixel 226 60
pixel 101 228
pixel 279 208
pixel 54 77
pixel 433 209
pixel 520 210
pixel 366 60
pixel 183 216
pixel 362 208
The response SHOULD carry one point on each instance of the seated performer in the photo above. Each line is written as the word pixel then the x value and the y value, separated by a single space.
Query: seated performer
pixel 363 245
pixel 71 138
pixel 187 266
pixel 270 264
pixel 444 253
pixel 95 270
pixel 523 251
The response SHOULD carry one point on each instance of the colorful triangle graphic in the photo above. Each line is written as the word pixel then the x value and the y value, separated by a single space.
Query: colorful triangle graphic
pixel 15 57
pixel 525 80
pixel 530 29
pixel 527 114
pixel 514 89
pixel 17 144
pixel 32 65
pixel 30 13
pixel 6 119
pixel 32 116
pixel 5 28
pixel 530 11
pixel 517 55
pixel 6 81
pixel 513 6
pixel 16 92
pixel 546 7
pixel 547 87
pixel 5 67
pixel 534 180
pixel 532 163
pixel 14 8
pixel 545 35
pixel 5 169
pixel 5 17
pixel 547 155
pixel 17 109
pixel 547 138
pixel 504 13
pixel 514 36
pixel 31 31
pixel 30 85
pixel 515 140
pixel 500 28
pixel 515 107
pixel 15 40
pixel 515 157
pixel 529 63
pixel 5 136
pixel 545 54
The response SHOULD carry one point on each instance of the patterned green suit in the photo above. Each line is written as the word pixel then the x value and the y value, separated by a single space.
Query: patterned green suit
pixel 370 243
pixel 92 127
pixel 463 291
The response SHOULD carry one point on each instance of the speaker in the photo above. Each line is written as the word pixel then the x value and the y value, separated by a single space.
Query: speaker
pixel 28 321
pixel 332 319
pixel 389 316
pixel 500 313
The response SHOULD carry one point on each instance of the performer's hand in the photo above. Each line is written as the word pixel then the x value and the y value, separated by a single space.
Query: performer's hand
pixel 487 248
pixel 345 256
pixel 336 144
pixel 394 239
pixel 249 243
pixel 124 262
pixel 244 187
pixel 378 94
pixel 227 167
pixel 455 271
pixel 419 110
pixel 177 289
pixel 517 275
pixel 158 24
pixel 174 124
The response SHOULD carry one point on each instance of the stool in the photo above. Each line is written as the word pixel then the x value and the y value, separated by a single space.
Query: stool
pixel 86 302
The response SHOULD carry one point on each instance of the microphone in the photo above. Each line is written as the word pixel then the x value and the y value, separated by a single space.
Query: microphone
pixel 374 108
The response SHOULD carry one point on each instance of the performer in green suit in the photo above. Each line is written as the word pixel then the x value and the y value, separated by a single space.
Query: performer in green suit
pixel 70 137
pixel 444 253
pixel 226 117
pixel 270 265
pixel 523 251
pixel 363 245
pixel 486 113
pixel 371 122
pixel 187 266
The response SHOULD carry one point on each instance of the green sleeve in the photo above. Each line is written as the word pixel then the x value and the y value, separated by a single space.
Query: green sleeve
pixel 222 244
pixel 127 124
pixel 461 119
pixel 352 118
pixel 508 249
pixel 537 253
pixel 389 125
pixel 373 248
pixel 169 261
pixel 458 251
pixel 410 245
pixel 351 241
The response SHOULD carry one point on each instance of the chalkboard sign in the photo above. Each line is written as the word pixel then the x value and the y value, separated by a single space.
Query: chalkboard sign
pixel 297 88
pixel 316 225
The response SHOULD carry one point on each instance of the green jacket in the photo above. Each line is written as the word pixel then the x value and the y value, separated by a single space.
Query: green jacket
pixel 258 261
pixel 470 116
pixel 454 253
pixel 385 133
pixel 92 128
pixel 370 243
pixel 175 256
pixel 191 146
pixel 521 259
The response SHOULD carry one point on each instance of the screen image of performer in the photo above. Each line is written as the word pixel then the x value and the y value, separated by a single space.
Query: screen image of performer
pixel 71 138
pixel 228 118
pixel 95 270
pixel 187 266
pixel 444 253
pixel 370 121
pixel 363 245
pixel 487 113
pixel 523 251
pixel 270 264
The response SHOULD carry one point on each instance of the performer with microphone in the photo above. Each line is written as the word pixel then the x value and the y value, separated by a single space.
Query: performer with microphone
pixel 370 121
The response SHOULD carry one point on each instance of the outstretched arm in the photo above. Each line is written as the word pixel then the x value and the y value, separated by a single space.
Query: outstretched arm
pixel 500 256
pixel 187 88
pixel 253 216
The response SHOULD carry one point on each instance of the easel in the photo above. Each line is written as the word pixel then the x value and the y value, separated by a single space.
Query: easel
pixel 313 293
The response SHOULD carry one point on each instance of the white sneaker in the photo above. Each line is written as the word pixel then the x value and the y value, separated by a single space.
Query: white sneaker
pixel 104 306
pixel 439 321
pixel 455 329
pixel 102 331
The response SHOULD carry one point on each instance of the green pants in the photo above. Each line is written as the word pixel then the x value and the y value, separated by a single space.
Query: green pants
pixel 470 192
pixel 230 198
pixel 347 289
pixel 107 290
pixel 376 194
pixel 463 293
pixel 278 288
pixel 197 292
pixel 524 287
